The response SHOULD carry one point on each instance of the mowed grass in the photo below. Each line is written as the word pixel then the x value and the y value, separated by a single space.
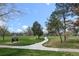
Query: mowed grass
pixel 23 40
pixel 26 52
pixel 71 42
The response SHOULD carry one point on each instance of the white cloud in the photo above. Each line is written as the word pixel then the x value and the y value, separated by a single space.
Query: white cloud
pixel 11 29
pixel 24 27
pixel 45 30
pixel 2 23
pixel 14 30
pixel 18 30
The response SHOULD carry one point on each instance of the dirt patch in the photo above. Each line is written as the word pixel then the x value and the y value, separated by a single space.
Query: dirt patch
pixel 66 44
pixel 53 43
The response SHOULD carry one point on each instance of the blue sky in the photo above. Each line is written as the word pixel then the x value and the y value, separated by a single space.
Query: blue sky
pixel 32 12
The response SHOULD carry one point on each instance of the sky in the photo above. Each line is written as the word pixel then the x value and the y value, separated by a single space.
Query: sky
pixel 31 12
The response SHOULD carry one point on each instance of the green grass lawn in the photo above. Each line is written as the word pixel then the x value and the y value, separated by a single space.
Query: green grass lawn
pixel 26 52
pixel 71 42
pixel 23 40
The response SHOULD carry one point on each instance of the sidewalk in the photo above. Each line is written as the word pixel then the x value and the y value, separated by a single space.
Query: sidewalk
pixel 38 46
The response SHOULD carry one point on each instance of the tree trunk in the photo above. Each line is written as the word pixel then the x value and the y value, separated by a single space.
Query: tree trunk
pixel 3 35
pixel 64 27
pixel 60 36
pixel 38 37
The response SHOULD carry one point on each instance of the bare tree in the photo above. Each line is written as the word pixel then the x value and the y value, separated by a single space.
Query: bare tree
pixel 7 11
pixel 3 31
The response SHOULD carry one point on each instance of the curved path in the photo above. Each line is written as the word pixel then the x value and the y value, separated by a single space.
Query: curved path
pixel 39 46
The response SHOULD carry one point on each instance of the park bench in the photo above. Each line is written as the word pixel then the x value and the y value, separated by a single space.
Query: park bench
pixel 14 39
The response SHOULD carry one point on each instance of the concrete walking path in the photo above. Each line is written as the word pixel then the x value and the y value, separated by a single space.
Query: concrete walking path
pixel 39 46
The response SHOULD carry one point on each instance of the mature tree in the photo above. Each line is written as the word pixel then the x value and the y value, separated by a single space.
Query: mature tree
pixel 3 31
pixel 75 8
pixel 63 9
pixel 76 26
pixel 37 29
pixel 7 11
pixel 55 24
pixel 76 23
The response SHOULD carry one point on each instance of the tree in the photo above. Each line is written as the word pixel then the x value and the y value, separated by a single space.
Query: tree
pixel 7 11
pixel 75 8
pixel 76 23
pixel 3 31
pixel 37 29
pixel 55 23
pixel 76 26
pixel 63 9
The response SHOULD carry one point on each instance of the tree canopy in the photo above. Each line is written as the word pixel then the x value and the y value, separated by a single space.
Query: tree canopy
pixel 37 29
